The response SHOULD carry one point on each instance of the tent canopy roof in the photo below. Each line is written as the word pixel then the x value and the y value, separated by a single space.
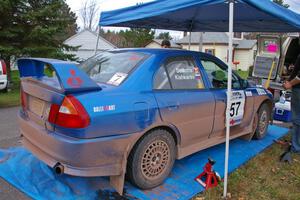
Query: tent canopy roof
pixel 205 15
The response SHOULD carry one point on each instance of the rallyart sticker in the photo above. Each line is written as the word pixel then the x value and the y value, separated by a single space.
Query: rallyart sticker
pixel 104 108
pixel 248 93
pixel 117 78
pixel 261 91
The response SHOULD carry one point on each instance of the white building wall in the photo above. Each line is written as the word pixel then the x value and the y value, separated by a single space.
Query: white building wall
pixel 153 45
pixel 245 57
pixel 87 42
pixel 220 50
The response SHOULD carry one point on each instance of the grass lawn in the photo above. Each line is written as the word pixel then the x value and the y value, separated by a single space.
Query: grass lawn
pixel 262 178
pixel 12 98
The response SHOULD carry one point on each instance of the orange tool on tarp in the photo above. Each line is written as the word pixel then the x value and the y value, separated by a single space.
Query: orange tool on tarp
pixel 208 178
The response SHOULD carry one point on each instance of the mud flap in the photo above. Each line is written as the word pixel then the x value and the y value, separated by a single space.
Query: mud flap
pixel 117 182
pixel 249 136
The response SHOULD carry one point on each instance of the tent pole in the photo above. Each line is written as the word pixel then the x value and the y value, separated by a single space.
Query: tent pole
pixel 190 38
pixel 98 36
pixel 229 81
pixel 200 41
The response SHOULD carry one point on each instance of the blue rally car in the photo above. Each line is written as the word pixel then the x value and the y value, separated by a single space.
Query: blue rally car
pixel 132 112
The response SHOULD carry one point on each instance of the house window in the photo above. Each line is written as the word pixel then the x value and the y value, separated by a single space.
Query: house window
pixel 210 51
pixel 238 35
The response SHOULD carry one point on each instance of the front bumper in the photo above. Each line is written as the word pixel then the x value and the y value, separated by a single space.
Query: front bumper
pixel 79 157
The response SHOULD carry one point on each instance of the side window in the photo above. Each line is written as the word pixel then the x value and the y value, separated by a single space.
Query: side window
pixel 161 80
pixel 218 75
pixel 183 73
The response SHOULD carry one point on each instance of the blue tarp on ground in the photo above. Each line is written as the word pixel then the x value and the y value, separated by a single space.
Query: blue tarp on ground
pixel 205 15
pixel 34 178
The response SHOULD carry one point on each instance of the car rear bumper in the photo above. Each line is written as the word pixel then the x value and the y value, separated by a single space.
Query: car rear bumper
pixel 3 84
pixel 79 157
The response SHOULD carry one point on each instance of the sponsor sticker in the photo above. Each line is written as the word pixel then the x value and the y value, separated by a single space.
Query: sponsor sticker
pixel 236 109
pixel 104 108
pixel 117 78
pixel 73 80
pixel 248 93
pixel 261 91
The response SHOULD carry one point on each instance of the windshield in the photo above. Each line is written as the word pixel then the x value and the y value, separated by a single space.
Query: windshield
pixel 111 67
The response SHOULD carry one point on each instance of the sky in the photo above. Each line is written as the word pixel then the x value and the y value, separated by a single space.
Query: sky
pixel 105 5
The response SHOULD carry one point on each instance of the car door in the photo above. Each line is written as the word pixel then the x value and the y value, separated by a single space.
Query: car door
pixel 217 75
pixel 183 99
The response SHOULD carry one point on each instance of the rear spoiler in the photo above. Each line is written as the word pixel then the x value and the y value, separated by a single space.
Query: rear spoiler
pixel 70 77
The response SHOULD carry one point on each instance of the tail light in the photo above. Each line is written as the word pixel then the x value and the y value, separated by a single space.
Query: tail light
pixel 3 67
pixel 70 114
pixel 23 98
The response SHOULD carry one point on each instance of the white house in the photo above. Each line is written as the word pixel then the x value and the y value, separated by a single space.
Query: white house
pixel 87 40
pixel 216 43
pixel 156 43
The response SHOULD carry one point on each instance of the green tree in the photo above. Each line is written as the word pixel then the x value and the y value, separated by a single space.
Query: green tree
pixel 281 2
pixel 35 28
pixel 137 37
pixel 164 36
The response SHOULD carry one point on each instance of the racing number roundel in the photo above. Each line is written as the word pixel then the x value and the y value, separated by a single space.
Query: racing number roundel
pixel 236 107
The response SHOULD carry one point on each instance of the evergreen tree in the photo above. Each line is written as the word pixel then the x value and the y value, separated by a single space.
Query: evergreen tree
pixel 137 37
pixel 281 2
pixel 164 36
pixel 35 28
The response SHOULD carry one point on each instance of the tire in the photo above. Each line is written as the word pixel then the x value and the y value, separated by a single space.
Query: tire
pixel 151 160
pixel 263 119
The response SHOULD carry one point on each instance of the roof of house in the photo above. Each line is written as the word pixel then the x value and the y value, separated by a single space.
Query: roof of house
pixel 246 44
pixel 216 38
pixel 87 40
pixel 159 41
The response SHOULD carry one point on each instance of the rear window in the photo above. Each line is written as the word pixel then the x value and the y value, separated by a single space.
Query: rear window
pixel 111 67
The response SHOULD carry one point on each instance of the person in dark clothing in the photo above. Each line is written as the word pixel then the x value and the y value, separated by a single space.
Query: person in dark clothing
pixel 165 44
pixel 294 84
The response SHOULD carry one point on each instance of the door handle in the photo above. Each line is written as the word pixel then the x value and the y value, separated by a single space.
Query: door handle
pixel 173 107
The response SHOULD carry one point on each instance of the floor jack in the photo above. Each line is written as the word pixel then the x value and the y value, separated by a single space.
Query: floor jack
pixel 208 178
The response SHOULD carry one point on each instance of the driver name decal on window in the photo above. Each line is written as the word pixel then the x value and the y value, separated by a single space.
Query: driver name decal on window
pixel 184 74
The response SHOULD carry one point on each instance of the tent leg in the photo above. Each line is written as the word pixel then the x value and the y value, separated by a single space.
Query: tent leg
pixel 229 81
pixel 201 42
pixel 98 36
pixel 190 38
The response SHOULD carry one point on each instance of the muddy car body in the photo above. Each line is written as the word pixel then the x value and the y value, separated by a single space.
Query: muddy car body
pixel 131 111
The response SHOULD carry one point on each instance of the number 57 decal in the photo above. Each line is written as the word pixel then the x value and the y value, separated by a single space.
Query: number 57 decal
pixel 236 109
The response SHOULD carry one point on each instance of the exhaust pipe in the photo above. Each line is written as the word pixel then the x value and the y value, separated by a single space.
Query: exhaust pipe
pixel 58 169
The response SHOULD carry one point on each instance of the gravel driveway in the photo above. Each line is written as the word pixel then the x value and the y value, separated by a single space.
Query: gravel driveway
pixel 9 137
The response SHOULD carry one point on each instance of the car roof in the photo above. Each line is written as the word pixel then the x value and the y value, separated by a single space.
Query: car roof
pixel 161 51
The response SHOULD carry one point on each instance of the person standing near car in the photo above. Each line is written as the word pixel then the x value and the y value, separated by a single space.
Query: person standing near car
pixel 294 84
pixel 165 44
